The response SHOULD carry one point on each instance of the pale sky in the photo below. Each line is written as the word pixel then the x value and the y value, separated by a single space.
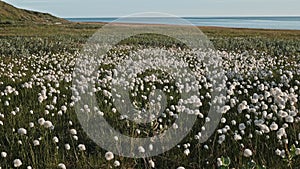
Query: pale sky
pixel 116 8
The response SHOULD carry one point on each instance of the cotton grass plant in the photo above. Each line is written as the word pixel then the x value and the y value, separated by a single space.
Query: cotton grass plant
pixel 259 125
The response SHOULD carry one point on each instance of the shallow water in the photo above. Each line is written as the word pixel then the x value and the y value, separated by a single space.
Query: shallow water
pixel 292 23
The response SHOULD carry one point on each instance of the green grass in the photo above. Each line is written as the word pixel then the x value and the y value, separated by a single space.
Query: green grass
pixel 12 15
pixel 27 44
pixel 277 42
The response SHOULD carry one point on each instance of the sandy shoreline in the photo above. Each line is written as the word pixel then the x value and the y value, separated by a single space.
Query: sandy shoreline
pixel 200 27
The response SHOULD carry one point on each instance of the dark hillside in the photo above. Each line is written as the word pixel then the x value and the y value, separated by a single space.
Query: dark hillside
pixel 10 14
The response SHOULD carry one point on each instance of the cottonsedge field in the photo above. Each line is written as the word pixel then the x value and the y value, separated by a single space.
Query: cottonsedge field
pixel 259 128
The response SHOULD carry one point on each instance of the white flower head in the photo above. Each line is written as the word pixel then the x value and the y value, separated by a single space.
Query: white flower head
pixel 297 151
pixel 3 154
pixel 55 139
pixel 22 131
pixel 81 147
pixel 48 124
pixel 151 163
pixel 186 152
pixel 109 156
pixel 274 126
pixel 117 163
pixel 62 166
pixel 31 124
pixel 41 121
pixel 73 131
pixel 67 146
pixel 17 163
pixel 219 162
pixel 247 153
pixel 141 149
pixel 36 142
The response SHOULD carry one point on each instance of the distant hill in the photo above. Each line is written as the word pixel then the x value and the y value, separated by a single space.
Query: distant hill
pixel 10 14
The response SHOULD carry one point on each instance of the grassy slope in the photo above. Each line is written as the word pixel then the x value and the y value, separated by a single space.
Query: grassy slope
pixel 9 14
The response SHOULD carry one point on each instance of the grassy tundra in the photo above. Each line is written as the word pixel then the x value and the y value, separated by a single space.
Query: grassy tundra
pixel 39 128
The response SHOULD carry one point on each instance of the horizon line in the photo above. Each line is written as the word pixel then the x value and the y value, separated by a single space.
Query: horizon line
pixel 203 16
